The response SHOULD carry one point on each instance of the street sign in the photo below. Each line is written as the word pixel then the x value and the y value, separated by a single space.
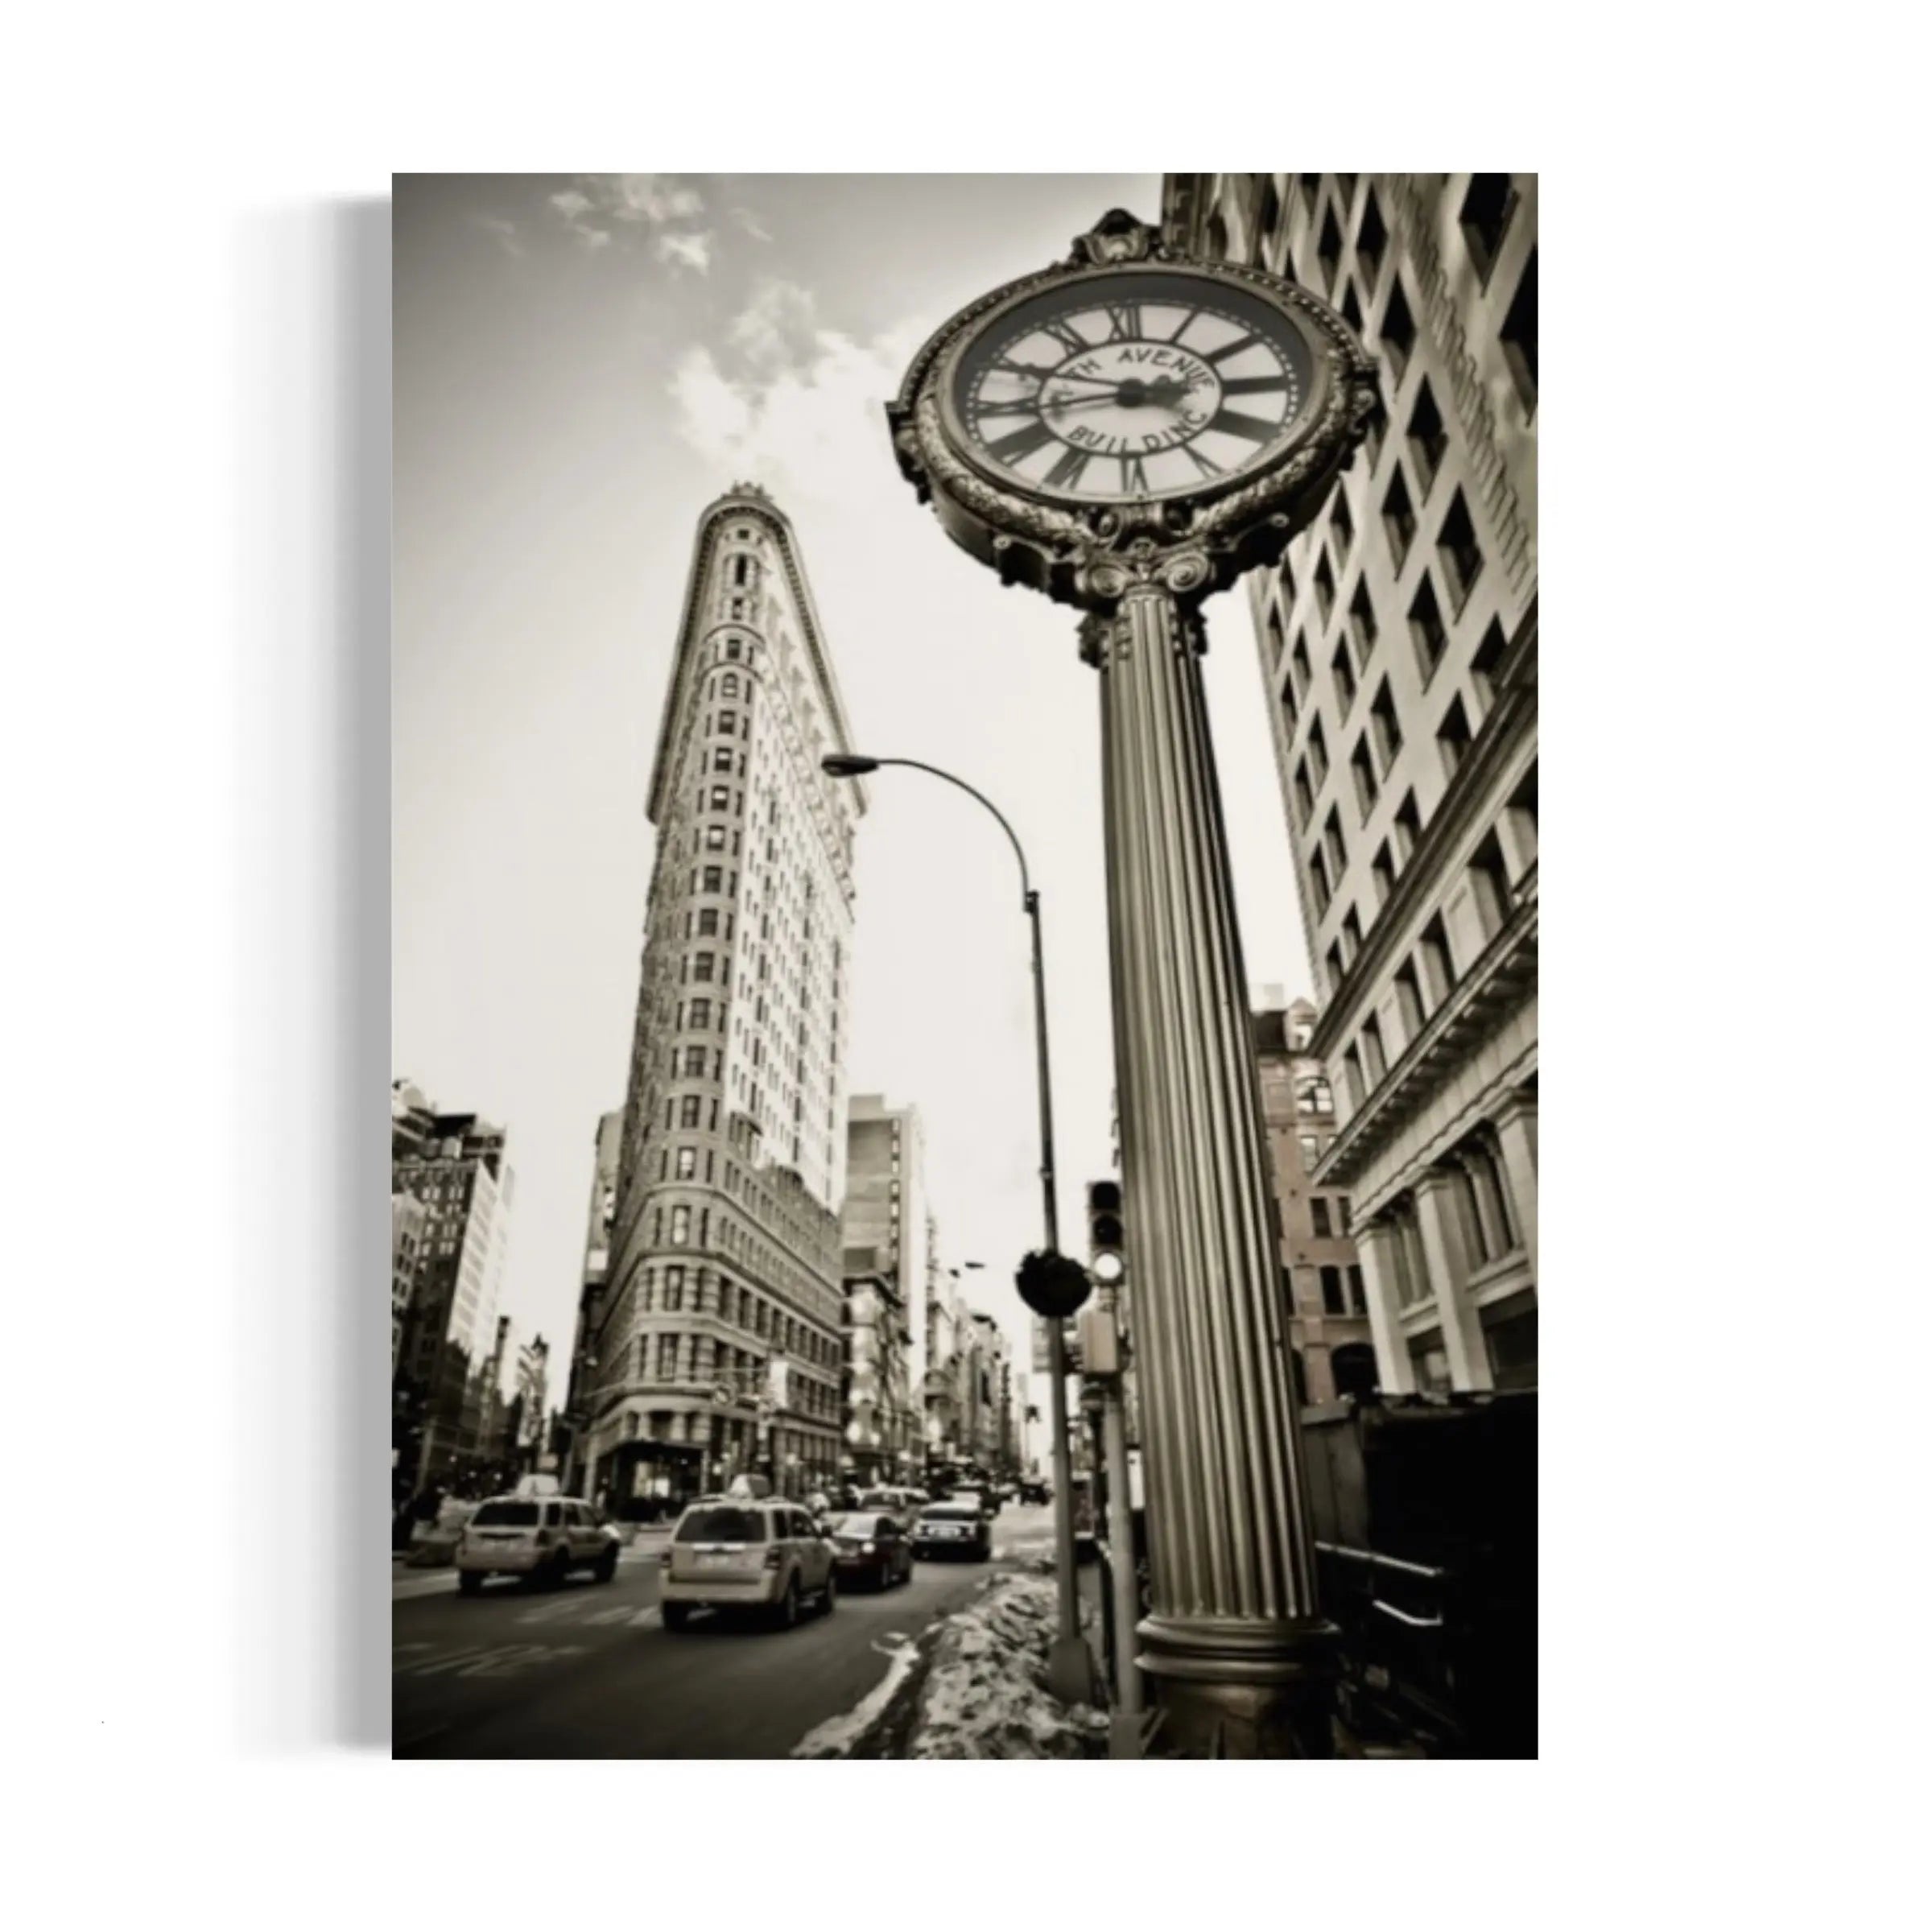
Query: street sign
pixel 723 1395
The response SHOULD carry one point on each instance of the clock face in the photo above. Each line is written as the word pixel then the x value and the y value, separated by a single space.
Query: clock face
pixel 1135 384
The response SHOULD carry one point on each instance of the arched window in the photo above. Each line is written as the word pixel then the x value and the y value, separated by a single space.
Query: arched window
pixel 1353 1366
pixel 729 687
pixel 1489 1196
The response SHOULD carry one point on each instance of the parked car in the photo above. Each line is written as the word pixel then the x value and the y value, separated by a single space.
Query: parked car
pixel 541 1539
pixel 953 1528
pixel 872 1548
pixel 764 1555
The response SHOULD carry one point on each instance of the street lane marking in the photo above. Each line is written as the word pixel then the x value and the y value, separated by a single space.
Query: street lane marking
pixel 543 1612
pixel 645 1619
pixel 497 1660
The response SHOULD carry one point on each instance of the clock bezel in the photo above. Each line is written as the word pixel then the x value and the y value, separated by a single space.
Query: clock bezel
pixel 1066 287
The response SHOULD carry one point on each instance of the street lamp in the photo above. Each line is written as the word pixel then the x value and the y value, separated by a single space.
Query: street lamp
pixel 1070 1674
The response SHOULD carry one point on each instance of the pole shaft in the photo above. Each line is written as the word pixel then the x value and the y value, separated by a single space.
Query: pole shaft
pixel 1119 1535
pixel 1234 1648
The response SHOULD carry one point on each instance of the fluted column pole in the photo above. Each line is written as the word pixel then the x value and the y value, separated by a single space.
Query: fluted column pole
pixel 1235 1649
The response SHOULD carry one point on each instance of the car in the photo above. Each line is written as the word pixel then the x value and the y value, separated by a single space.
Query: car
pixel 541 1539
pixel 953 1528
pixel 893 1501
pixel 871 1546
pixel 1035 1493
pixel 977 1499
pixel 762 1555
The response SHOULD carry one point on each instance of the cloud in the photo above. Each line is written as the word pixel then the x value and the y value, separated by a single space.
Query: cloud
pixel 751 224
pixel 796 404
pixel 678 251
pixel 504 229
pixel 599 208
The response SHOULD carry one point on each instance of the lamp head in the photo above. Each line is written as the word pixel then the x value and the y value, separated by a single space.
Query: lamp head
pixel 847 765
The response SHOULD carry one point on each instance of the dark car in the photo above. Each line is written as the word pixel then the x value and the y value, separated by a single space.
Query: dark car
pixel 1035 1493
pixel 870 1548
pixel 953 1528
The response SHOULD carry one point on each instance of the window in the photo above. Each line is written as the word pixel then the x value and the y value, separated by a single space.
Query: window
pixel 1489 879
pixel 1331 844
pixel 714 878
pixel 1518 337
pixel 1362 623
pixel 1427 628
pixel 1362 767
pixel 674 1290
pixel 1456 544
pixel 1318 755
pixel 1482 666
pixel 1324 587
pixel 1329 252
pixel 1271 626
pixel 1268 219
pixel 1318 874
pixel 1298 668
pixel 720 798
pixel 707 923
pixel 1487 206
pixel 1408 827
pixel 1311 1152
pixel 688 1110
pixel 714 838
pixel 729 687
pixel 1352 935
pixel 1318 1210
pixel 680 1227
pixel 1334 967
pixel 693 1063
pixel 1398 519
pixel 1333 1302
pixel 1452 735
pixel 1351 310
pixel 1371 241
pixel 1312 1095
pixel 1397 330
pixel 1383 726
pixel 1428 440
pixel 1438 967
pixel 739 569
pixel 1310 186
pixel 720 761
pixel 1343 674
pixel 701 965
pixel 1352 1077
pixel 1382 869
pixel 1409 999
pixel 1521 814
pixel 1372 1057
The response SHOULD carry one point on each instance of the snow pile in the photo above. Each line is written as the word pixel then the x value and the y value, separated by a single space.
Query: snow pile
pixel 841 1737
pixel 985 1694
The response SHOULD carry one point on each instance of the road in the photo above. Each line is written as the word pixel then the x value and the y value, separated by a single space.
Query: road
pixel 588 1670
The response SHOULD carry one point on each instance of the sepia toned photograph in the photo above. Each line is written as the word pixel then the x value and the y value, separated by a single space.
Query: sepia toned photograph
pixel 963 913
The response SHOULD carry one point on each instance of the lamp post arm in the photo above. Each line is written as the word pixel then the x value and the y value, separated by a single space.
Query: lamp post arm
pixel 971 791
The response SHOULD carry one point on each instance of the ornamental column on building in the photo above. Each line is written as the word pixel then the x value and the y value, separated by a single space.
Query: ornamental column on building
pixel 1374 1243
pixel 1448 1255
pixel 1515 1124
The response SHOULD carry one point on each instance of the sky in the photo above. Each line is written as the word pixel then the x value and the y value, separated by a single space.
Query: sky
pixel 582 364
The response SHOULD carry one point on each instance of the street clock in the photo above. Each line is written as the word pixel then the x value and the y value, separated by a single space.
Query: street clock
pixel 1126 412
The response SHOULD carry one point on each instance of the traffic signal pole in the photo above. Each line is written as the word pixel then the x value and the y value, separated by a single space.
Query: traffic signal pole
pixel 1070 1664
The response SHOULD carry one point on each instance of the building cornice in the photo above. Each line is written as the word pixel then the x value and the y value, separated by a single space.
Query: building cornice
pixel 1496 984
pixel 1510 719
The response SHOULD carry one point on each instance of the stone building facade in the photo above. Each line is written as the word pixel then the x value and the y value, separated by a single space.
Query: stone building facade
pixel 1398 653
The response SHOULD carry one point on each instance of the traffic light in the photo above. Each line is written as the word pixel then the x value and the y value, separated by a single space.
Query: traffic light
pixel 1106 1233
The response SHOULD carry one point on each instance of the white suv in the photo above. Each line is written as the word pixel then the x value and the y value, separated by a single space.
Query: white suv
pixel 539 1538
pixel 728 1552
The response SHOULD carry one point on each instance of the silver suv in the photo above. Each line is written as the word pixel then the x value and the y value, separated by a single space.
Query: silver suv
pixel 730 1552
pixel 541 1538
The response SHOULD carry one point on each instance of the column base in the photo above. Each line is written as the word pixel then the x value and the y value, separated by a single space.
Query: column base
pixel 1235 1688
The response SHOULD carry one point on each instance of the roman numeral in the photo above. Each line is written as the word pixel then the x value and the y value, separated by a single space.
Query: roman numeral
pixel 1066 473
pixel 1229 349
pixel 1069 338
pixel 1253 428
pixel 1206 465
pixel 1183 329
pixel 1124 322
pixel 1021 443
pixel 1248 385
pixel 1134 474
